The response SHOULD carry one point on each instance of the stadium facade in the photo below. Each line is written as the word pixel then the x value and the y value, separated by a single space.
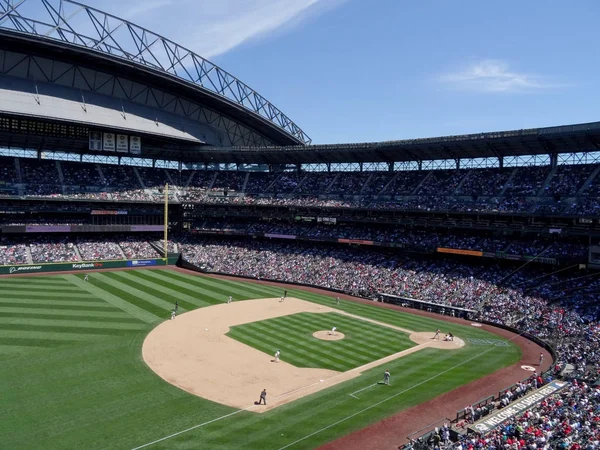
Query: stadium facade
pixel 98 114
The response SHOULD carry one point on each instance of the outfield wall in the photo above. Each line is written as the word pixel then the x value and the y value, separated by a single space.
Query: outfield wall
pixel 84 265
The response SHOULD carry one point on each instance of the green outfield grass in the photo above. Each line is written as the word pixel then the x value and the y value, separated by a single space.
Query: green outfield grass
pixel 72 375
pixel 292 335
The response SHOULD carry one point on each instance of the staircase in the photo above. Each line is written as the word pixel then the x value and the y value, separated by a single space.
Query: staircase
pixel 389 183
pixel 245 181
pixel 79 258
pixel 460 185
pixel 299 184
pixel 61 177
pixel 212 182
pixel 423 181
pixel 28 255
pixel 18 169
pixel 272 183
pixel 102 179
pixel 331 184
pixel 508 182
pixel 139 177
pixel 540 193
pixel 121 252
pixel 366 183
pixel 589 181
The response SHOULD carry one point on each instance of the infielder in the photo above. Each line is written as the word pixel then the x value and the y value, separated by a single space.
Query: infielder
pixel 386 377
pixel 229 300
pixel 173 313
pixel 281 299
pixel 263 397
pixel 176 306
pixel 277 354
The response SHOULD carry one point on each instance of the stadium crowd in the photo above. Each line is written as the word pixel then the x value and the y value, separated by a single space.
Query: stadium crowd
pixel 566 189
pixel 414 238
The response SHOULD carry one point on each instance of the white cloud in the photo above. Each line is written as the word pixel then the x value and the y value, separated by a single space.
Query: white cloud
pixel 213 27
pixel 492 75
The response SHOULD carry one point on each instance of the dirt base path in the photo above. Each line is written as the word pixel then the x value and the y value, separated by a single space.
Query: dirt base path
pixel 392 432
pixel 194 353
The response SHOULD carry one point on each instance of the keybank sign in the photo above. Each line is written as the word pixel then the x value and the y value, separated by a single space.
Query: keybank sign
pixel 15 269
pixel 87 266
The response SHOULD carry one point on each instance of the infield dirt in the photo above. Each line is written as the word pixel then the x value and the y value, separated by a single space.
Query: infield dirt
pixel 194 353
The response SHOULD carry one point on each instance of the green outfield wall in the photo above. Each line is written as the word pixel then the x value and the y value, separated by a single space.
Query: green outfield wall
pixel 85 265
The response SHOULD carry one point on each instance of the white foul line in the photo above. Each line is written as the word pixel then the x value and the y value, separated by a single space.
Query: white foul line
pixel 360 390
pixel 391 397
pixel 190 429
pixel 329 426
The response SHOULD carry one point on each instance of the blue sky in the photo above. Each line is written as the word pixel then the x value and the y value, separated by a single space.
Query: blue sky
pixel 358 70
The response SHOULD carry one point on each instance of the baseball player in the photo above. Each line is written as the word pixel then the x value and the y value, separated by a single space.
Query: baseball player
pixel 229 300
pixel 332 332
pixel 386 377
pixel 337 300
pixel 285 294
pixel 277 354
pixel 541 359
pixel 281 299
pixel 263 397
pixel 176 306
pixel 437 334
pixel 86 277
pixel 173 313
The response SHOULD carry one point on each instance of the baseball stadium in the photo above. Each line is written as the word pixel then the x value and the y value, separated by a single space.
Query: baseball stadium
pixel 182 268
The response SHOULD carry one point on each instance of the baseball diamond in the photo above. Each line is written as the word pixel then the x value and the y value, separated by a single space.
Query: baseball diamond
pixel 181 267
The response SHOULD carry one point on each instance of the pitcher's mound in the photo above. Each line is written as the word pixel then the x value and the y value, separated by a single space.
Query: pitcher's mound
pixel 327 336
pixel 427 338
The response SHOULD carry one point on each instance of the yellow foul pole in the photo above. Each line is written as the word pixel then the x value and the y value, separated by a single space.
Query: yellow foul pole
pixel 166 221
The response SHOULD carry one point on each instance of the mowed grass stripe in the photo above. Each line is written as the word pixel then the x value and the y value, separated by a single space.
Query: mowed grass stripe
pixel 300 356
pixel 50 294
pixel 40 343
pixel 214 290
pixel 153 291
pixel 124 287
pixel 83 301
pixel 352 344
pixel 15 350
pixel 186 298
pixel 95 316
pixel 260 290
pixel 371 336
pixel 302 339
pixel 82 324
pixel 255 289
pixel 34 287
pixel 315 355
pixel 68 329
pixel 356 343
pixel 343 347
pixel 194 286
pixel 58 305
pixel 57 283
pixel 347 324
pixel 133 306
pixel 50 335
